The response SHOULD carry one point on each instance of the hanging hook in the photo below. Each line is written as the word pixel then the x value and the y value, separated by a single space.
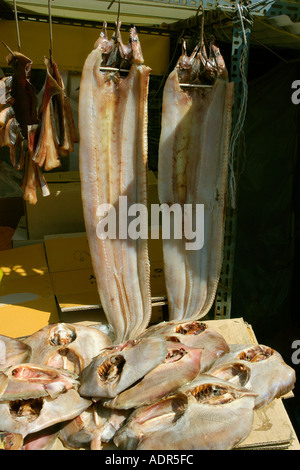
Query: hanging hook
pixel 17 26
pixel 50 31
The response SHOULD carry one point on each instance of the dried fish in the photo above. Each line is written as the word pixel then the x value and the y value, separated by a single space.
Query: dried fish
pixel 22 91
pixel 258 368
pixel 46 150
pixel 181 365
pixel 28 416
pixel 192 169
pixel 119 367
pixel 113 163
pixel 207 414
pixel 195 334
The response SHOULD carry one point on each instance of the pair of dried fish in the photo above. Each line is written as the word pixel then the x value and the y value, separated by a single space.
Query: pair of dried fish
pixel 36 137
pixel 193 161
pixel 177 386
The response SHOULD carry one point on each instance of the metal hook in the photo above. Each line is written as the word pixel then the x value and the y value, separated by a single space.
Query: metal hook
pixel 17 26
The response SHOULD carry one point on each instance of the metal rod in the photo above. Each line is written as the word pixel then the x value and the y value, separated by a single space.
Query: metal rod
pixel 9 49
pixel 113 69
pixel 195 86
pixel 17 25
pixel 50 31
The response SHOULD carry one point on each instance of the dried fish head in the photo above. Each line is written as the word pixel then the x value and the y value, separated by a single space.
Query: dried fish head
pixel 118 368
pixel 28 416
pixel 181 365
pixel 67 346
pixel 13 351
pixel 195 334
pixel 265 371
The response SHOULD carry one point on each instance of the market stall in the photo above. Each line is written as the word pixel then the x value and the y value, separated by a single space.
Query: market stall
pixel 159 113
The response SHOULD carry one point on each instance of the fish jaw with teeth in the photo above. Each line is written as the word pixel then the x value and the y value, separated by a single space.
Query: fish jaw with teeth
pixel 117 368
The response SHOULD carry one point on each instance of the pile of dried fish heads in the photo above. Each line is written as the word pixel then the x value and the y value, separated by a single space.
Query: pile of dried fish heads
pixel 179 385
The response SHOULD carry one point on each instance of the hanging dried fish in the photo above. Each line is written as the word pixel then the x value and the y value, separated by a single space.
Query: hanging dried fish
pixel 192 169
pixel 113 163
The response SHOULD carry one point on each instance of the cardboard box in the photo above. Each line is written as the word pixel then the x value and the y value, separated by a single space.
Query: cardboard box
pixel 61 212
pixel 27 301
pixel 72 276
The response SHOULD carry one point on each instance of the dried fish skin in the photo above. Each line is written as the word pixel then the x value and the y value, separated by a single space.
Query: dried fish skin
pixel 111 372
pixel 192 169
pixel 182 365
pixel 30 416
pixel 113 163
pixel 13 351
pixel 262 369
pixel 92 428
pixel 11 441
pixel 195 334
pixel 150 418
pixel 66 346
pixel 218 417
pixel 25 381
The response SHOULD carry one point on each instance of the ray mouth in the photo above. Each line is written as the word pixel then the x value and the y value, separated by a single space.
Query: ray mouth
pixel 256 354
pixel 212 394
pixel 175 355
pixel 28 410
pixel 192 328
pixel 111 369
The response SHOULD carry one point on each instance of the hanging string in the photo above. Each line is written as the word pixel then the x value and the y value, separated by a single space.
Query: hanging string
pixel 17 26
pixel 243 16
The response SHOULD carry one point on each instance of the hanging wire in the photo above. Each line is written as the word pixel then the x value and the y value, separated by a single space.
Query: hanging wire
pixel 17 26
pixel 50 31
